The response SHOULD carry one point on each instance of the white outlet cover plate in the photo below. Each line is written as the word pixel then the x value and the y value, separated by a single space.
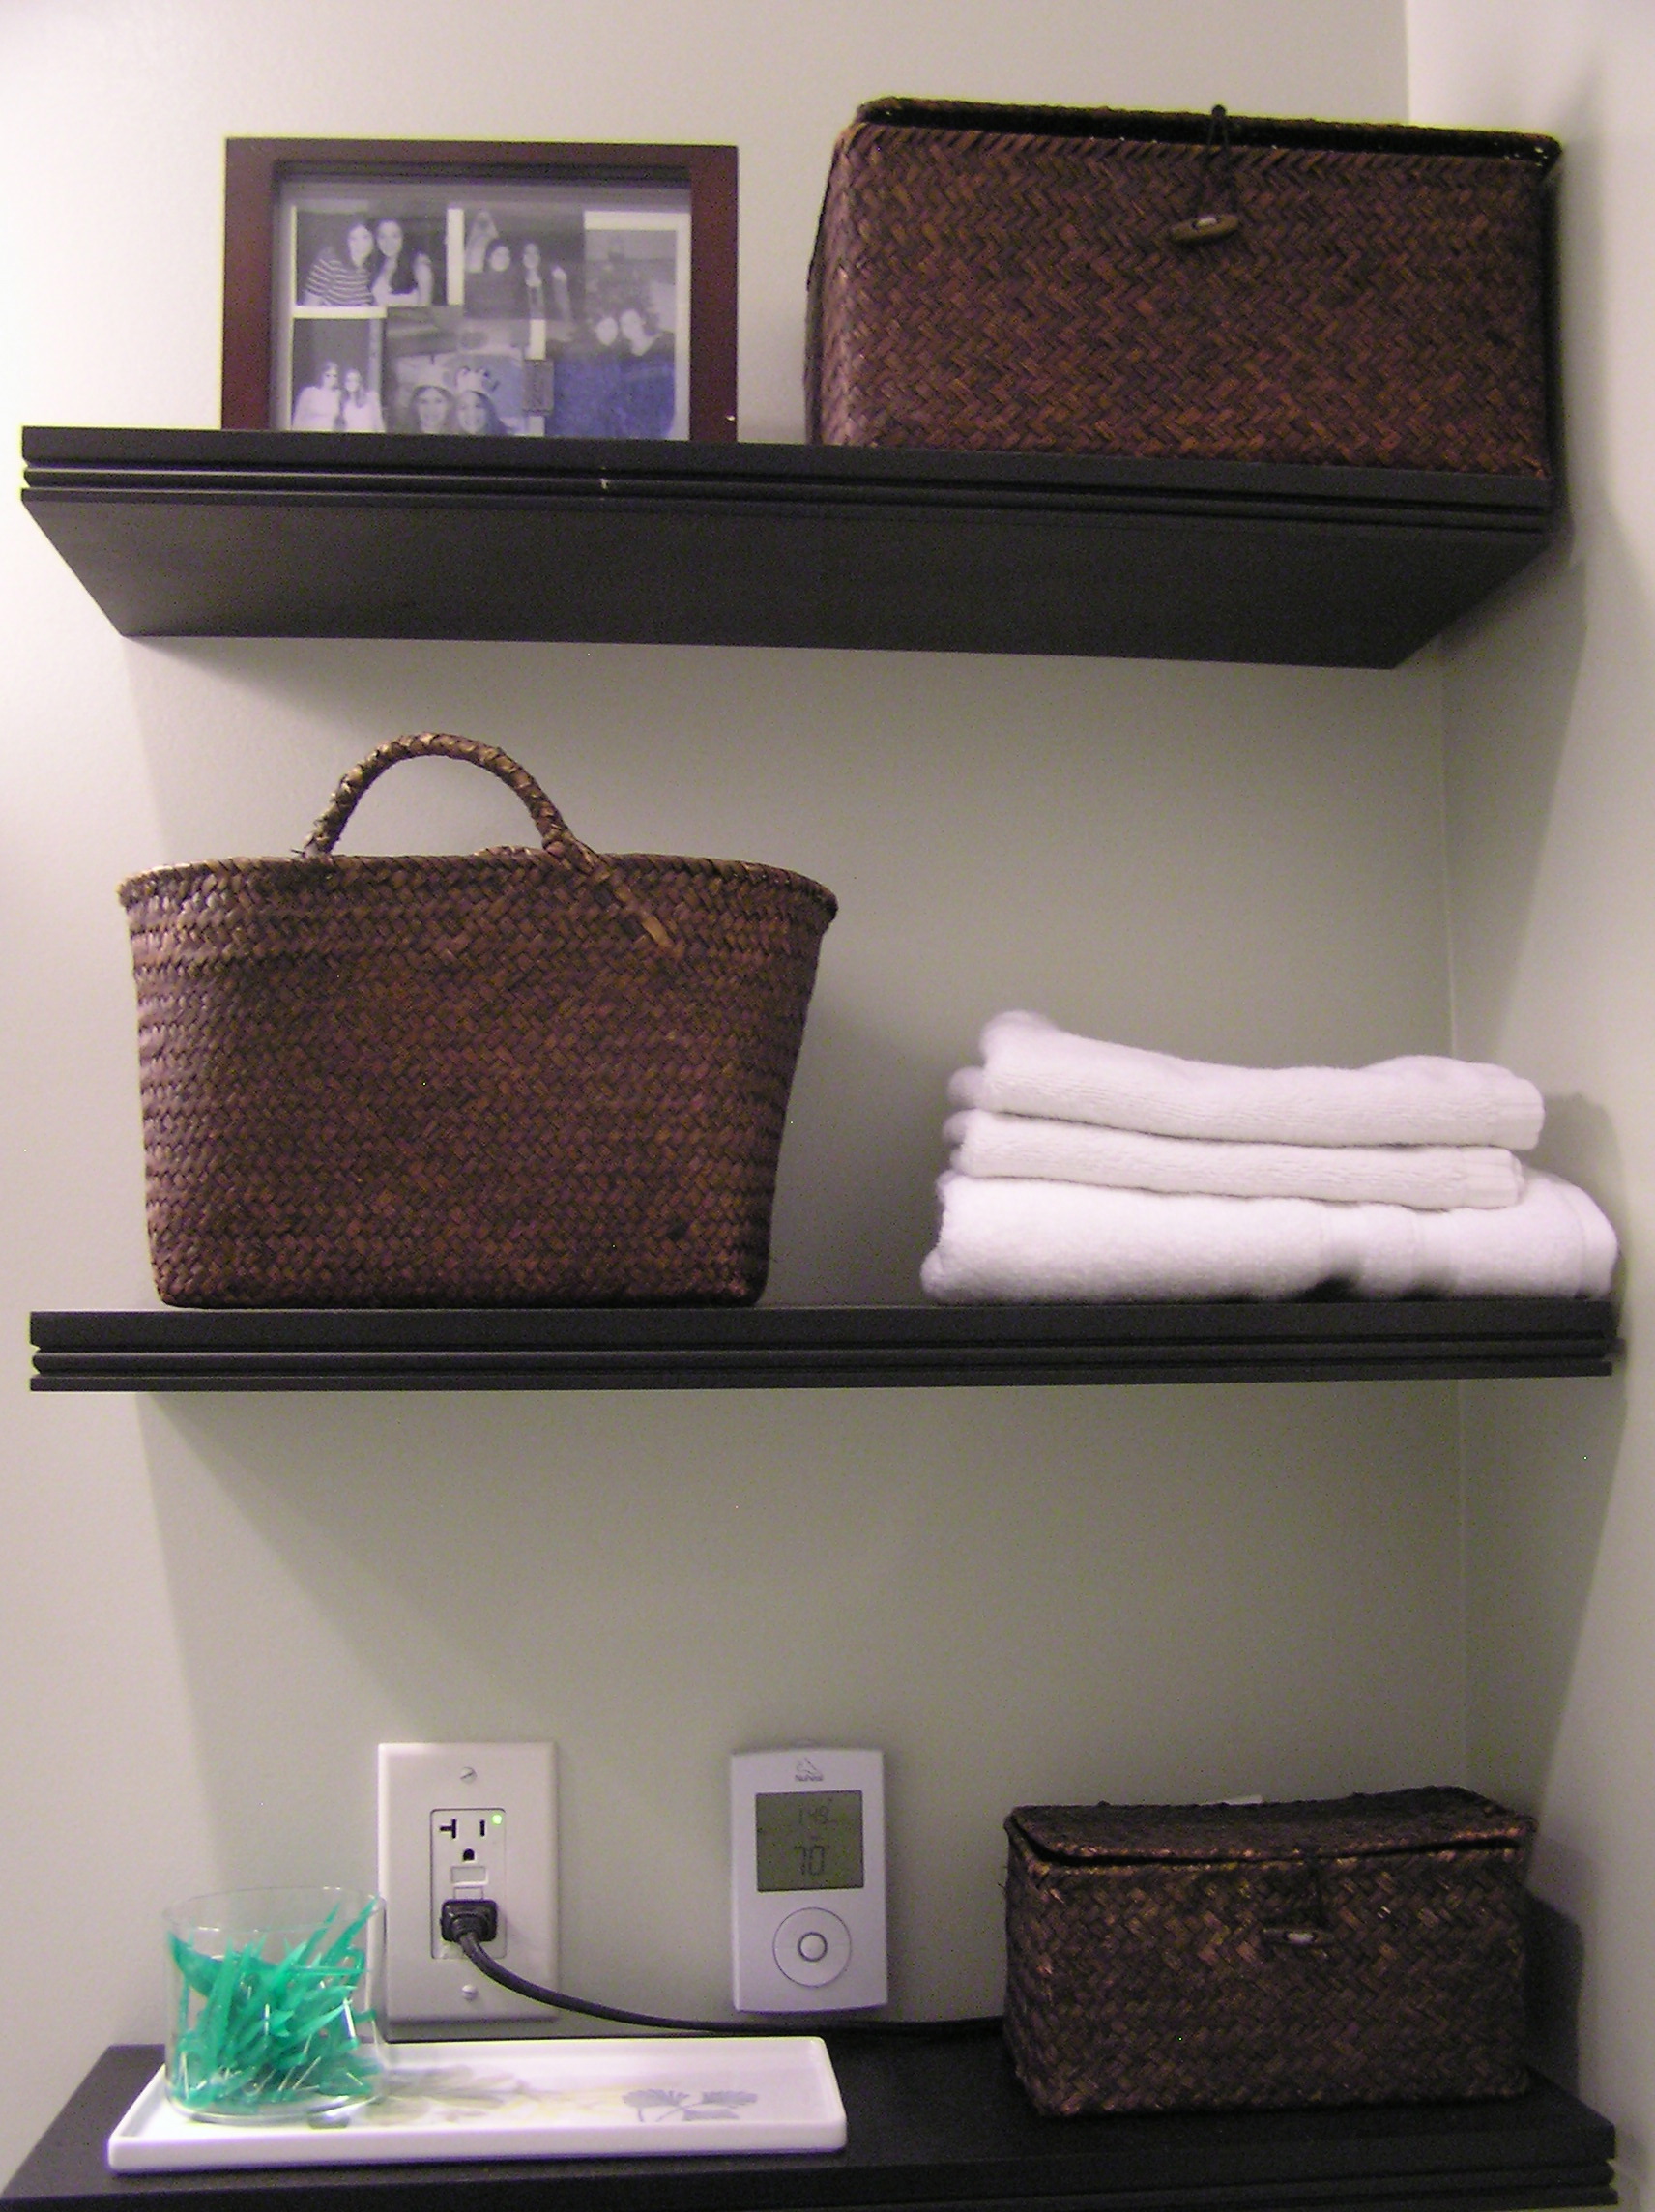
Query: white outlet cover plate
pixel 417 1780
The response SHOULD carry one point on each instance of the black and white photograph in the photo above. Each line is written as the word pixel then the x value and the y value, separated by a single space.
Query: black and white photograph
pixel 335 374
pixel 363 259
pixel 618 375
pixel 523 266
pixel 449 371
pixel 426 307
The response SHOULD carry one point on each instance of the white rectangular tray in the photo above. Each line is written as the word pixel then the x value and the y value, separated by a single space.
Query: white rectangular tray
pixel 598 2097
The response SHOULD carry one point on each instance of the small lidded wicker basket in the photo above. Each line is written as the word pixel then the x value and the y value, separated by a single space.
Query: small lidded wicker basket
pixel 1338 1951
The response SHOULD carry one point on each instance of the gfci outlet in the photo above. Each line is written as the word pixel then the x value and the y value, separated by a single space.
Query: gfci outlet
pixel 466 1820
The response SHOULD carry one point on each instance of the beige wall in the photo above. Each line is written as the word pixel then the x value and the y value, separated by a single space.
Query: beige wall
pixel 213 1608
pixel 1549 701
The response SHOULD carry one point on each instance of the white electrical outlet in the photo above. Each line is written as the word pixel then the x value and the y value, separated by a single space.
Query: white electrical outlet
pixel 468 1859
pixel 466 1820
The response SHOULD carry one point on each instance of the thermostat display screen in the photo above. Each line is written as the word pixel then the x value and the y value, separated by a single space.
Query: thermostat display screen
pixel 809 1838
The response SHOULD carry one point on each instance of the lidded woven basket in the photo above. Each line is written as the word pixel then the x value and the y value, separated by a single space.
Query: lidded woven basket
pixel 1182 287
pixel 1337 1951
pixel 520 1077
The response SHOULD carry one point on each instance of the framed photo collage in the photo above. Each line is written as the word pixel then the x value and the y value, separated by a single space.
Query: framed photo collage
pixel 548 293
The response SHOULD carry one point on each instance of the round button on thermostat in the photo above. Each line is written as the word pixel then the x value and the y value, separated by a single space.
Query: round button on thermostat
pixel 812 1947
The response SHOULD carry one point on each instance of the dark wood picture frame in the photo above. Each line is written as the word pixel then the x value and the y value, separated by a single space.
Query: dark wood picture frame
pixel 255 171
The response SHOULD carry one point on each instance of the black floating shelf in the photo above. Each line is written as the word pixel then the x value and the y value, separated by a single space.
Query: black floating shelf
pixel 265 534
pixel 934 2125
pixel 642 1348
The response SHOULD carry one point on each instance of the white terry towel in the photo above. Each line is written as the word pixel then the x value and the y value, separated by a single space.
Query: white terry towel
pixel 1003 1240
pixel 1434 1175
pixel 1031 1066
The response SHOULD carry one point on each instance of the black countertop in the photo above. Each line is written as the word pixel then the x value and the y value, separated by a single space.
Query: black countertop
pixel 935 2123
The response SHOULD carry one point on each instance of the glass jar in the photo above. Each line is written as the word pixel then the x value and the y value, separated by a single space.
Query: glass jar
pixel 274 2003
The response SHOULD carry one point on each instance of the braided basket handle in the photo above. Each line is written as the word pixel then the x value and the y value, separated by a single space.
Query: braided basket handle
pixel 556 835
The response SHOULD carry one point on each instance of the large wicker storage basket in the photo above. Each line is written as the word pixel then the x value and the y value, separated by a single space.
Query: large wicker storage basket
pixel 1346 1951
pixel 519 1077
pixel 1182 287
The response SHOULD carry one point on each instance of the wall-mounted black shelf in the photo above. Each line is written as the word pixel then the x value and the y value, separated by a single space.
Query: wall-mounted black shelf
pixel 935 2125
pixel 265 534
pixel 820 1347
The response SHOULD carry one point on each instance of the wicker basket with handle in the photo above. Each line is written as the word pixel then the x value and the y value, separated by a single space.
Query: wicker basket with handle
pixel 1337 1951
pixel 519 1077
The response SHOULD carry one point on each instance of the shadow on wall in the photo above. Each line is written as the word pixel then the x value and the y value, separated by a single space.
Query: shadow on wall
pixel 1541 1460
pixel 1549 823
pixel 1022 1595
pixel 1521 688
pixel 1549 820
pixel 1513 669
pixel 1556 1969
pixel 1580 1143
pixel 1540 1467
pixel 853 1223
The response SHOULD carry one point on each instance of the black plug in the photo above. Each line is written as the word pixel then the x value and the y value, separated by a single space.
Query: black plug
pixel 477 1916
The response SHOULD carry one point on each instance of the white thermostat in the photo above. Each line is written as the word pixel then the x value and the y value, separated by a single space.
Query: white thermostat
pixel 808 1880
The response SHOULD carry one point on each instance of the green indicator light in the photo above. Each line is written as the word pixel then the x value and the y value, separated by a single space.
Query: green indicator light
pixel 498 1818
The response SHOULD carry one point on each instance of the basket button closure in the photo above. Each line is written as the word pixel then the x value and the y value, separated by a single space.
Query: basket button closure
pixel 1304 1925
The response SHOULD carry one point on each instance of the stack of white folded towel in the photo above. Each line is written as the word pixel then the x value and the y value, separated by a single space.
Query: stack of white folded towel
pixel 1088 1171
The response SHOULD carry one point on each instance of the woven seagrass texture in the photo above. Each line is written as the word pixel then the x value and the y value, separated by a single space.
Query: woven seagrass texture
pixel 1363 1959
pixel 1006 290
pixel 515 1077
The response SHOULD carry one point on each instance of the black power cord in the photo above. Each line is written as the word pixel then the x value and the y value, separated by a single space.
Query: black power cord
pixel 469 1923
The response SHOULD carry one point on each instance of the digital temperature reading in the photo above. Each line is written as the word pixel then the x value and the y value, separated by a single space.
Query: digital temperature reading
pixel 808 1880
pixel 808 1839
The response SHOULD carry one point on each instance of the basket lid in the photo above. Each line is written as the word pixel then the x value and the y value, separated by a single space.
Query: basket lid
pixel 1178 129
pixel 1311 1828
